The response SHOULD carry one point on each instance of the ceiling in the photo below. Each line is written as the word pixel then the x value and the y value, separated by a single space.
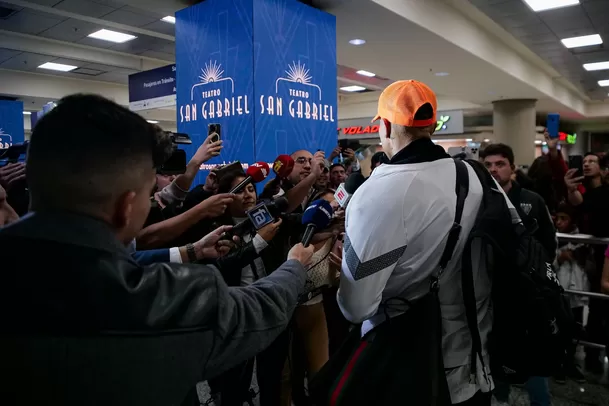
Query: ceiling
pixel 41 31
pixel 542 33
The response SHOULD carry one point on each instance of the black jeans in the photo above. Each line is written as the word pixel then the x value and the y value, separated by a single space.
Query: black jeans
pixel 479 399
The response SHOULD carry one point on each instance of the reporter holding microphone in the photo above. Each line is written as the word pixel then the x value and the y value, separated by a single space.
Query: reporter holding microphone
pixel 83 323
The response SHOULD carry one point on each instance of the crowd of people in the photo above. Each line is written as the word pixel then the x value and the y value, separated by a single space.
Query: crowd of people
pixel 125 284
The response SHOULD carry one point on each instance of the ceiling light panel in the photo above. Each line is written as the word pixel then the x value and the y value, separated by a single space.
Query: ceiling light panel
pixel 357 41
pixel 603 83
pixel 112 36
pixel 366 73
pixel 57 66
pixel 596 66
pixel 169 19
pixel 352 88
pixel 542 5
pixel 585 41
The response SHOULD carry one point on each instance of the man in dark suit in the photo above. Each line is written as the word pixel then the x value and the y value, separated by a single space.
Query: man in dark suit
pixel 82 322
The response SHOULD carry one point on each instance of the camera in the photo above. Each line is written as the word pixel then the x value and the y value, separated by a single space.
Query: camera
pixel 176 164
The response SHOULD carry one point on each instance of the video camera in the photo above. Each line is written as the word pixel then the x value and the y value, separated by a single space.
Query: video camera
pixel 14 153
pixel 176 164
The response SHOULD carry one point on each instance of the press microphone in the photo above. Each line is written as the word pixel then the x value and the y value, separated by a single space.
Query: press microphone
pixel 283 166
pixel 259 216
pixel 345 191
pixel 255 173
pixel 316 217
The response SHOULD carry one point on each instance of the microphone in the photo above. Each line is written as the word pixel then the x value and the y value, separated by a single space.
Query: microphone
pixel 283 166
pixel 345 191
pixel 316 217
pixel 255 173
pixel 258 217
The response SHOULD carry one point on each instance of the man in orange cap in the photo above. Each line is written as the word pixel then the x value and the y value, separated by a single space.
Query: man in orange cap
pixel 393 251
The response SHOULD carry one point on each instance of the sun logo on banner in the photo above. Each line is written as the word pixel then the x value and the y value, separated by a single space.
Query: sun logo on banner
pixel 210 74
pixel 297 72
pixel 5 139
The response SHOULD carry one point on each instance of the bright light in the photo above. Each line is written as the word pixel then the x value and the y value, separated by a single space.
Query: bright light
pixel 57 66
pixel 468 140
pixel 486 140
pixel 442 74
pixel 357 41
pixel 352 88
pixel 169 19
pixel 603 83
pixel 27 113
pixel 365 73
pixel 584 41
pixel 538 142
pixel 152 121
pixel 112 36
pixel 542 5
pixel 596 66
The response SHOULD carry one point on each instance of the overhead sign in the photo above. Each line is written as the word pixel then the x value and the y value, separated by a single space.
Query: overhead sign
pixel 449 122
pixel 153 88
pixel 265 70
pixel 11 123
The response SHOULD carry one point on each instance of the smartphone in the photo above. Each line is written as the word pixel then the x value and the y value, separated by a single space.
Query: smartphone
pixel 234 167
pixel 175 165
pixel 577 162
pixel 552 123
pixel 215 130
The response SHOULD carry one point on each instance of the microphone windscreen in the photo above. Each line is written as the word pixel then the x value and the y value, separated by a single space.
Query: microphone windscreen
pixel 283 166
pixel 278 206
pixel 318 213
pixel 258 171
pixel 354 181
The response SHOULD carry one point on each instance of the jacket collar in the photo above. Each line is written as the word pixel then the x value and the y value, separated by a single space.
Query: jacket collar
pixel 420 150
pixel 66 228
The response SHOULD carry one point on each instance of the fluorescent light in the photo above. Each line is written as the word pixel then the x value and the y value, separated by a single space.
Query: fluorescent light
pixel 365 73
pixel 169 19
pixel 57 66
pixel 538 142
pixel 27 113
pixel 442 73
pixel 486 140
pixel 584 41
pixel 357 41
pixel 603 83
pixel 542 5
pixel 152 121
pixel 468 140
pixel 596 66
pixel 112 36
pixel 352 88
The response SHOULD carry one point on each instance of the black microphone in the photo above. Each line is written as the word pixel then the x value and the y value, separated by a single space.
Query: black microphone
pixel 316 217
pixel 354 181
pixel 262 214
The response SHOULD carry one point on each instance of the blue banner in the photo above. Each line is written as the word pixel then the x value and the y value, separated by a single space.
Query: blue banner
pixel 294 78
pixel 265 70
pixel 11 123
pixel 153 88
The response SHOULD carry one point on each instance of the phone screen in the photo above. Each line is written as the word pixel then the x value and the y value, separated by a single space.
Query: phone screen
pixel 577 162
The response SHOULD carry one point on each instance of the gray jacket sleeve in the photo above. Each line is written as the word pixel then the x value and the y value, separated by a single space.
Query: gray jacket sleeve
pixel 172 193
pixel 250 318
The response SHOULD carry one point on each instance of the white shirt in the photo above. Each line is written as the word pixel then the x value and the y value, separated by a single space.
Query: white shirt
pixel 397 224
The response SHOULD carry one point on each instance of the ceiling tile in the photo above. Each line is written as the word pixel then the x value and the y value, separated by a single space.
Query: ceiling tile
pixel 100 67
pixel 6 54
pixel 144 12
pixel 26 61
pixel 98 43
pixel 71 30
pixel 136 46
pixel 159 55
pixel 86 8
pixel 161 27
pixel 128 18
pixel 30 22
pixel 49 3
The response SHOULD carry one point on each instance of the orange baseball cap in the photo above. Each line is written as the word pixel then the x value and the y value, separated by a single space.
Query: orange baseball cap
pixel 401 100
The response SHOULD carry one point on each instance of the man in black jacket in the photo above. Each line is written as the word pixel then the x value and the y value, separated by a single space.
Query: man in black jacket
pixel 83 323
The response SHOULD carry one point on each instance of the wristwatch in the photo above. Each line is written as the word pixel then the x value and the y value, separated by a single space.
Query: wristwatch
pixel 190 251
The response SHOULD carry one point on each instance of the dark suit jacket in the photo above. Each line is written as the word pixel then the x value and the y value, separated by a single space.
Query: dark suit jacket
pixel 84 324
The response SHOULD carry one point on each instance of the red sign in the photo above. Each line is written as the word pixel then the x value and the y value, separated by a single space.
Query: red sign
pixel 357 130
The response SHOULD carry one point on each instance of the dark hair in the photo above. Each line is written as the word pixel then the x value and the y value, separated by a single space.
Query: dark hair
pixel 337 165
pixel 498 149
pixel 322 193
pixel 378 157
pixel 425 112
pixel 88 150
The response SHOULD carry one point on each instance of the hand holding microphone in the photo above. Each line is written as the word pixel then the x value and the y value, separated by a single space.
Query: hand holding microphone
pixel 255 173
pixel 316 217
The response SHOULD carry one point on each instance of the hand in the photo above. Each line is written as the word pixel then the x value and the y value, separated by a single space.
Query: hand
pixel 572 181
pixel 565 256
pixel 207 151
pixel 336 152
pixel 216 205
pixel 552 142
pixel 211 246
pixel 10 174
pixel 349 154
pixel 269 231
pixel 319 162
pixel 302 254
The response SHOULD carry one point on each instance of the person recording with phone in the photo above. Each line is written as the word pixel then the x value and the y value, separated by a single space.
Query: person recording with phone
pixel 83 323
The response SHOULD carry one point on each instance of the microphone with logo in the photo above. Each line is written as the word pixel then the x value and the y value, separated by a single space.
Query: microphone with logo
pixel 258 217
pixel 316 217
pixel 283 166
pixel 255 173
pixel 345 191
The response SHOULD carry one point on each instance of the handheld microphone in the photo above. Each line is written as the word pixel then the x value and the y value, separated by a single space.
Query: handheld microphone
pixel 255 173
pixel 316 217
pixel 283 166
pixel 258 217
pixel 345 191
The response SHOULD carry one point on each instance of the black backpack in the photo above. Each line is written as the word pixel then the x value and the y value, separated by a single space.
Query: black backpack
pixel 532 321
